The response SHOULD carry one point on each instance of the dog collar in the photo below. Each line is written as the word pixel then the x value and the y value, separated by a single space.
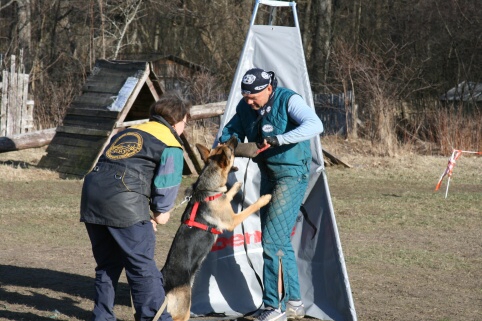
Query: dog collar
pixel 191 223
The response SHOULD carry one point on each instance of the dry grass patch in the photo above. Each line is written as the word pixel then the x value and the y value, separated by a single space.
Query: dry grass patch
pixel 410 253
pixel 21 166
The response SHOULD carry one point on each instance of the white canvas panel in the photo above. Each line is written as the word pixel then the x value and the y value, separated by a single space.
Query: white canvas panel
pixel 229 282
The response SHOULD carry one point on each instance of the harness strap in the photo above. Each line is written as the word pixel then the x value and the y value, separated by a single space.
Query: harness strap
pixel 158 314
pixel 258 277
pixel 191 221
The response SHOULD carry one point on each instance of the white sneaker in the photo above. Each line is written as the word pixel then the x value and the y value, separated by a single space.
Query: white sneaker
pixel 270 314
pixel 295 311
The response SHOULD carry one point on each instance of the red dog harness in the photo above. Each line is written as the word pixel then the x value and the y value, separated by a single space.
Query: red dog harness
pixel 191 223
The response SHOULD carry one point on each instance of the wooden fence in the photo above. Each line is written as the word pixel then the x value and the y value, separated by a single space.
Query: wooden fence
pixel 16 110
pixel 334 111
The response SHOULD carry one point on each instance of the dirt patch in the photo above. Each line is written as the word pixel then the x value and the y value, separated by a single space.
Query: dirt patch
pixel 410 253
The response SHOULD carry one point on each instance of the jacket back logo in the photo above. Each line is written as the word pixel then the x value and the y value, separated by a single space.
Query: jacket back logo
pixel 125 146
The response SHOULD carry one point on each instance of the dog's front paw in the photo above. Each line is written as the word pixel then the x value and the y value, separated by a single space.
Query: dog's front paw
pixel 237 186
pixel 263 200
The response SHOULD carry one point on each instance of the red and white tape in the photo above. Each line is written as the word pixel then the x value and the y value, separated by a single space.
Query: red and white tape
pixel 456 153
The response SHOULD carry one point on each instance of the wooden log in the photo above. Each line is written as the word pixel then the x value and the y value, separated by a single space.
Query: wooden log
pixel 331 159
pixel 44 137
pixel 29 140
pixel 208 110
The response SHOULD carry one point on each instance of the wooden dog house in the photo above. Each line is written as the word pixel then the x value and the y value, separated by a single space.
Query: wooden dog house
pixel 115 95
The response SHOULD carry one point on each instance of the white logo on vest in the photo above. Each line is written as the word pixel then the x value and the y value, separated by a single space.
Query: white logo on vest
pixel 268 128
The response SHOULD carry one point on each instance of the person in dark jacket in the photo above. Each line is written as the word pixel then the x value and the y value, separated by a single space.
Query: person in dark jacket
pixel 129 191
pixel 280 119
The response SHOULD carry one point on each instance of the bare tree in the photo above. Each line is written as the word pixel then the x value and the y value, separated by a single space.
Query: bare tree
pixel 117 19
pixel 24 26
pixel 322 34
pixel 437 43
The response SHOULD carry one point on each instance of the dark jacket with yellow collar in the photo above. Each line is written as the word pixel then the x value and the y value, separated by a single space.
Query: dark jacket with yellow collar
pixel 140 170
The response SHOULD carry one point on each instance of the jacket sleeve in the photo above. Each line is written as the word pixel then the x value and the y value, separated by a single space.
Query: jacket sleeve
pixel 233 127
pixel 167 180
pixel 309 124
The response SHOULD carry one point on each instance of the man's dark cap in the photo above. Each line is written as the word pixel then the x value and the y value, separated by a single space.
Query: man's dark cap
pixel 256 80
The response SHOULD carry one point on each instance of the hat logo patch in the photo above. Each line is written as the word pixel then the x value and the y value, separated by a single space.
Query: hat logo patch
pixel 261 87
pixel 265 75
pixel 249 79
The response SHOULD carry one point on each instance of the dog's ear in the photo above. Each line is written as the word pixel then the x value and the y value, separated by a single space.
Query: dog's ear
pixel 225 160
pixel 204 152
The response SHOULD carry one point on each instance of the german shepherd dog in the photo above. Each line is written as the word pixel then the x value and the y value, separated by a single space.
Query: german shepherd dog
pixel 193 241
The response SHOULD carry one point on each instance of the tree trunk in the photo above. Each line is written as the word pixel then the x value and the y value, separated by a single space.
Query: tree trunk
pixel 24 25
pixel 357 10
pixel 322 17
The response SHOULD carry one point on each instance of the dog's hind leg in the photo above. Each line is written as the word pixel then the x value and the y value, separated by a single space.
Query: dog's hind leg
pixel 179 303
pixel 188 313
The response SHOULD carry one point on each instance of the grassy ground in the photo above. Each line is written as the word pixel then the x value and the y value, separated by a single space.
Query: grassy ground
pixel 410 253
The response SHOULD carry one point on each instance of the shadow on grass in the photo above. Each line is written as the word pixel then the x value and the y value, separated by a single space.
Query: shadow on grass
pixel 16 164
pixel 57 294
pixel 6 315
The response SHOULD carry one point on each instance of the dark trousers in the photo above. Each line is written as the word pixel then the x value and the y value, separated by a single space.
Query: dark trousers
pixel 131 248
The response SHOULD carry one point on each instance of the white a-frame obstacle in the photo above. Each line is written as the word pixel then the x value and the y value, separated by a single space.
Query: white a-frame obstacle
pixel 229 283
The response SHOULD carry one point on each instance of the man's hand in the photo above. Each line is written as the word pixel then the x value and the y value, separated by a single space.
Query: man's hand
pixel 272 140
pixel 159 218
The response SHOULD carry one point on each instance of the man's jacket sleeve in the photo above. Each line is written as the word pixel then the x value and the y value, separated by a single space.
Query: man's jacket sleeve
pixel 167 180
pixel 233 127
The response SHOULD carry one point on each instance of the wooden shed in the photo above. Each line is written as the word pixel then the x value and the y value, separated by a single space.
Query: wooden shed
pixel 172 71
pixel 117 92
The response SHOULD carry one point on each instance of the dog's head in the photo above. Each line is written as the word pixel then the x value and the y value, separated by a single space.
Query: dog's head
pixel 218 163
pixel 222 155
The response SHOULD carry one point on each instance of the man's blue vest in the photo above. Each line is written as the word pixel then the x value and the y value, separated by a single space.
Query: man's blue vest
pixel 287 160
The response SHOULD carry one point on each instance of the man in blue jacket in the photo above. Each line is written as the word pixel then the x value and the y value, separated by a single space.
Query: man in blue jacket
pixel 139 172
pixel 279 118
